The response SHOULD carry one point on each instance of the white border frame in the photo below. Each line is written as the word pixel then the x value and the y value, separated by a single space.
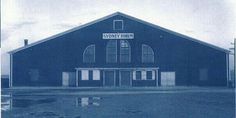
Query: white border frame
pixel 116 52
pixel 118 21
pixel 129 52
pixel 94 59
pixel 152 52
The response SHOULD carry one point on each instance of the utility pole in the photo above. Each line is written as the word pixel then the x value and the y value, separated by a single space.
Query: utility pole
pixel 234 61
pixel 234 48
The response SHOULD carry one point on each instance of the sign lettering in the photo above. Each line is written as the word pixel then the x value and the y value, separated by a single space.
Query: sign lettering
pixel 117 35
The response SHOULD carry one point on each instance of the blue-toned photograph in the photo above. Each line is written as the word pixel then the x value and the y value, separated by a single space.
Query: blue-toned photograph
pixel 118 59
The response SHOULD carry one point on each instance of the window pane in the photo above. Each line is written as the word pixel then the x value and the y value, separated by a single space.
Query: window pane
pixel 111 51
pixel 89 54
pixel 149 75
pixel 118 24
pixel 125 51
pixel 96 75
pixel 138 75
pixel 153 75
pixel 144 75
pixel 84 75
pixel 147 54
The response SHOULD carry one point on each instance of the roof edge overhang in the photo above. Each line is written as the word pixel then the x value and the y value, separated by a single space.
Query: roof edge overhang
pixel 127 16
pixel 176 33
pixel 65 32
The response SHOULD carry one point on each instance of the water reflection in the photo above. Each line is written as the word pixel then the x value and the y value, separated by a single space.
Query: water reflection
pixel 9 101
pixel 6 105
pixel 6 102
pixel 87 101
pixel 23 103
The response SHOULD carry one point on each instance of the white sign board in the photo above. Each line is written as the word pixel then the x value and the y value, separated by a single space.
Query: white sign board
pixel 117 35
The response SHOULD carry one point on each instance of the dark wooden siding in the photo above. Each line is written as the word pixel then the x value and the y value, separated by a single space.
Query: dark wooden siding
pixel 172 53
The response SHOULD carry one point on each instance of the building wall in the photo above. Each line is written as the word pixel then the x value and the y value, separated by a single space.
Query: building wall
pixel 172 53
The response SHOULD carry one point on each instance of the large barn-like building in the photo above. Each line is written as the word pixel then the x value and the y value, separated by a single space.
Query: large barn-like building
pixel 119 51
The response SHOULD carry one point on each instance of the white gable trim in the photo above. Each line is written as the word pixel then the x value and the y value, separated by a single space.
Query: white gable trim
pixel 175 33
pixel 63 33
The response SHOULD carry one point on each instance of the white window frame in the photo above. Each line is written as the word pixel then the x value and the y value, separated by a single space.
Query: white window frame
pixel 94 53
pixel 129 51
pixel 153 74
pixel 134 75
pixel 153 58
pixel 96 74
pixel 116 52
pixel 85 75
pixel 143 75
pixel 114 23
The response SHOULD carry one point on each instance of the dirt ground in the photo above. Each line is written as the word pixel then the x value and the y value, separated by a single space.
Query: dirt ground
pixel 118 103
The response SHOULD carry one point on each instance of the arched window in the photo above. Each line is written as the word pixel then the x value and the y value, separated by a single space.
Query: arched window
pixel 89 54
pixel 125 51
pixel 147 54
pixel 111 51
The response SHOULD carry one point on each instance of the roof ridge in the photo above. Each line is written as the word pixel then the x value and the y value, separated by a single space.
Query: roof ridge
pixel 127 16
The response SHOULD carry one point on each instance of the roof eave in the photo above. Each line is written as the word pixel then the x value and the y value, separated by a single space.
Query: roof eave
pixel 63 33
pixel 122 14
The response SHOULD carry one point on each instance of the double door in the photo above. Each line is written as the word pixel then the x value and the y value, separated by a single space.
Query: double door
pixel 117 78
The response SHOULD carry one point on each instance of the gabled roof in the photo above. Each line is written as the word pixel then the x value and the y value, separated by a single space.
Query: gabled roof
pixel 124 15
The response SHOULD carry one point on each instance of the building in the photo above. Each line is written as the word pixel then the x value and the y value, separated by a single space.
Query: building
pixel 119 50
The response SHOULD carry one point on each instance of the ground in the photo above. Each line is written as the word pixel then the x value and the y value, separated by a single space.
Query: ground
pixel 172 102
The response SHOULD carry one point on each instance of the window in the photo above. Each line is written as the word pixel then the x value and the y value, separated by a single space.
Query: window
pixel 149 75
pixel 89 54
pixel 147 54
pixel 96 75
pixel 84 75
pixel 90 75
pixel 111 51
pixel 144 75
pixel 138 75
pixel 117 24
pixel 153 75
pixel 125 51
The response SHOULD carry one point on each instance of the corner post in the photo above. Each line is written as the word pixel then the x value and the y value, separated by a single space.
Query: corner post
pixel 77 77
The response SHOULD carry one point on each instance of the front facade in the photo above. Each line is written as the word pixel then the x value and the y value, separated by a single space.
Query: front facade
pixel 119 50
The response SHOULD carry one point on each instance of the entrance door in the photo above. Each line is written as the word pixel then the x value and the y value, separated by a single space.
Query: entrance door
pixel 167 78
pixel 109 78
pixel 125 78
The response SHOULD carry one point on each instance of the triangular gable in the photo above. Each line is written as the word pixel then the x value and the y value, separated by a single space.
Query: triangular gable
pixel 129 17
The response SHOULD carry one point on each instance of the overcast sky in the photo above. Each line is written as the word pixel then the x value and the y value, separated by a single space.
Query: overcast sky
pixel 212 21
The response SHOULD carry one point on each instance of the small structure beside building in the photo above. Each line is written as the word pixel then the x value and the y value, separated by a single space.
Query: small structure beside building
pixel 4 81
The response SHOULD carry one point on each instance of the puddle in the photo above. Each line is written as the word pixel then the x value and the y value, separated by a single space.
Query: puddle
pixel 6 105
pixel 131 111
pixel 6 101
pixel 88 101
pixel 9 103
pixel 23 103
pixel 44 114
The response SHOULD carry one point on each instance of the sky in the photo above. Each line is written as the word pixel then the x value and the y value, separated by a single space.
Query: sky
pixel 211 21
